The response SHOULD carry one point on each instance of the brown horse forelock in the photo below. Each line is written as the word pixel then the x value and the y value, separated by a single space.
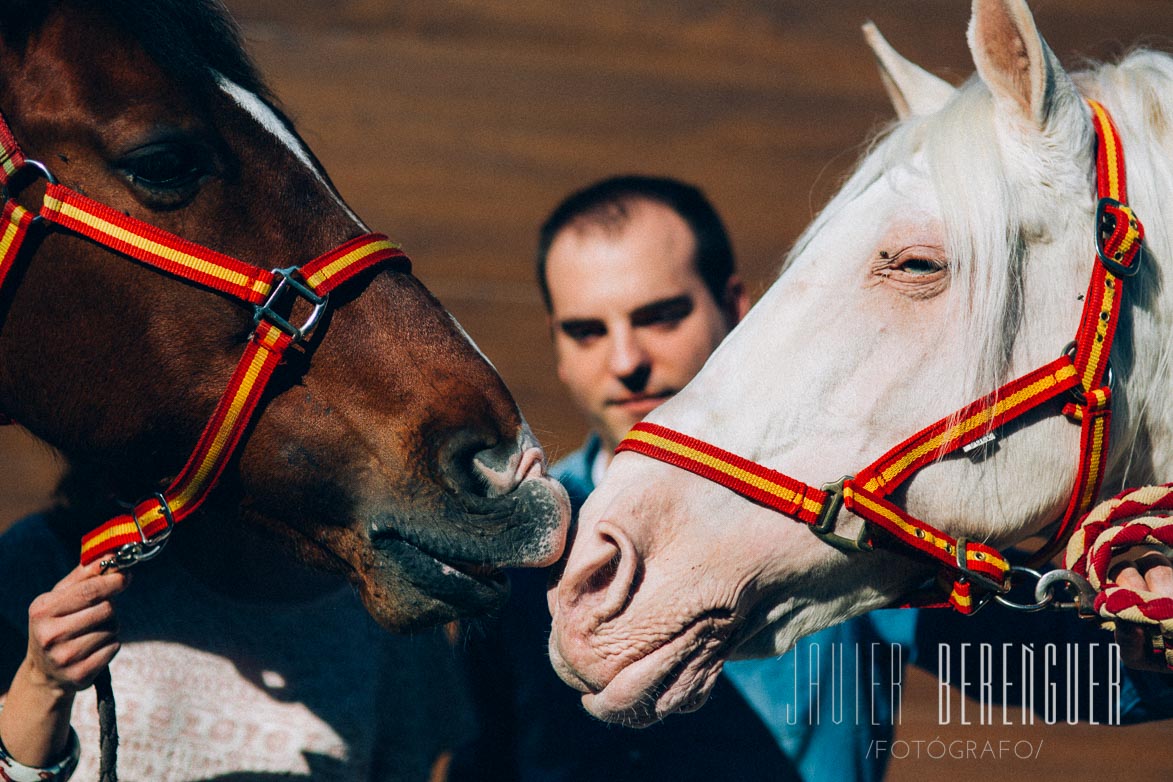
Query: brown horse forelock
pixel 363 452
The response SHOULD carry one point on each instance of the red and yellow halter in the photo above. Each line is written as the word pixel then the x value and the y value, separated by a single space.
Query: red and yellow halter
pixel 140 533
pixel 1081 371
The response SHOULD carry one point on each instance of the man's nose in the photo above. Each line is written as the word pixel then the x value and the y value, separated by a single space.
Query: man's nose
pixel 628 358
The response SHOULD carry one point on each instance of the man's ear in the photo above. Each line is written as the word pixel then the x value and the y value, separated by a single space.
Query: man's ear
pixel 736 303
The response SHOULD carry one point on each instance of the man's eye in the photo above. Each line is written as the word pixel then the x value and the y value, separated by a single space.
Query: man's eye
pixel 665 315
pixel 581 332
pixel 164 167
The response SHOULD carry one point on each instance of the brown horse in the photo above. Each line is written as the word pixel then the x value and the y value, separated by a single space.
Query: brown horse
pixel 386 448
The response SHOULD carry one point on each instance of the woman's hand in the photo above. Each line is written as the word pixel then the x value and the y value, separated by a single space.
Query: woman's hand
pixel 72 630
pixel 72 637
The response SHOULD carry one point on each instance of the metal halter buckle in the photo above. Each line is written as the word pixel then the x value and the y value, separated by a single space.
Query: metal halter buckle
pixel 979 579
pixel 825 523
pixel 286 280
pixel 1102 217
pixel 130 554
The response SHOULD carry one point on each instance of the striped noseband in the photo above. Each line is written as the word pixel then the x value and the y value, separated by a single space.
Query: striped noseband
pixel 140 533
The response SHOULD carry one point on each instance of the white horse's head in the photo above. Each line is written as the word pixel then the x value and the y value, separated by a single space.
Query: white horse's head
pixel 955 258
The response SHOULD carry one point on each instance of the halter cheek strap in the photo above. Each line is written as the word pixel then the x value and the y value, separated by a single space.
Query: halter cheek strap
pixel 140 533
pixel 970 571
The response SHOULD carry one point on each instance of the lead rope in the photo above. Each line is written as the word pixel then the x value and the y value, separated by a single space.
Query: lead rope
pixel 108 728
pixel 1136 517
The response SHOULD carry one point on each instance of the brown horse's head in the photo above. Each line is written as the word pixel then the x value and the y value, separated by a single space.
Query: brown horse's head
pixel 387 449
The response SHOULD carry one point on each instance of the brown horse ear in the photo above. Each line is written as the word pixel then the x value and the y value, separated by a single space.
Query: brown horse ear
pixel 1015 62
pixel 914 92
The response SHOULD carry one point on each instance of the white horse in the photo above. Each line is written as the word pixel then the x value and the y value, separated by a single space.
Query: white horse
pixel 955 258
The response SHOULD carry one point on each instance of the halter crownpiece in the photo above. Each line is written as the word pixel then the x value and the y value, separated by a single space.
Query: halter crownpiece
pixel 140 533
pixel 970 571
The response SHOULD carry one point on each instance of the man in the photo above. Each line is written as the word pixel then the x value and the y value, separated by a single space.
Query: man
pixel 638 281
pixel 637 275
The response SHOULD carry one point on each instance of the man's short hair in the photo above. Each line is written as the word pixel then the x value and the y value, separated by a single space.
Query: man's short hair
pixel 606 204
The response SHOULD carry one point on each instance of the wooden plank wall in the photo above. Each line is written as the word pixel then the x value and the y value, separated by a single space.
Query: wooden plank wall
pixel 454 125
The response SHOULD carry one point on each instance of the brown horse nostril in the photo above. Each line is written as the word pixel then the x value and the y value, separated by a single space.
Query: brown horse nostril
pixel 503 467
pixel 458 462
pixel 480 466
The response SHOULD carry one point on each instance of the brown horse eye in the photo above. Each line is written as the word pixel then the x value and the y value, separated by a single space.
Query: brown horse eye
pixel 167 168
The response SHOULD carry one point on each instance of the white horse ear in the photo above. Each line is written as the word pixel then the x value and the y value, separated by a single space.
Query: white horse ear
pixel 1014 61
pixel 914 91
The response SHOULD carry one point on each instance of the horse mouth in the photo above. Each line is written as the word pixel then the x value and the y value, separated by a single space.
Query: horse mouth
pixel 674 677
pixel 469 586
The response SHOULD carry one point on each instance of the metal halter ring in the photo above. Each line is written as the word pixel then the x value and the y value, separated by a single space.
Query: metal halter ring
pixel 1040 603
pixel 825 524
pixel 9 190
pixel 130 554
pixel 1044 592
pixel 1069 350
pixel 38 167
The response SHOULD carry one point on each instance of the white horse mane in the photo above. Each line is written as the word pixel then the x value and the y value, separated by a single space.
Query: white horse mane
pixel 988 229
pixel 1139 92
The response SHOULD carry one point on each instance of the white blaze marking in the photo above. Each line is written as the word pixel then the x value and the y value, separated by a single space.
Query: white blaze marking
pixel 268 119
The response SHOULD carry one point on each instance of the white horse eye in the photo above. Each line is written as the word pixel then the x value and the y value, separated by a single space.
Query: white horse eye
pixel 920 266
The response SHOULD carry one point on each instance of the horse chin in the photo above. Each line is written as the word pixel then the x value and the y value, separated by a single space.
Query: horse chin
pixel 677 676
pixel 419 573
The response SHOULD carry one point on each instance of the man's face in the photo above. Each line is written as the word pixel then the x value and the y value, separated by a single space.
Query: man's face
pixel 632 320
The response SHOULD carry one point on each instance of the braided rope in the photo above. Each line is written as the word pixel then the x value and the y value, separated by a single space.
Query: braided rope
pixel 1137 517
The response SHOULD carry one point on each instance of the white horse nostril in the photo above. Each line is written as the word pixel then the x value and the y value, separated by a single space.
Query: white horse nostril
pixel 600 576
